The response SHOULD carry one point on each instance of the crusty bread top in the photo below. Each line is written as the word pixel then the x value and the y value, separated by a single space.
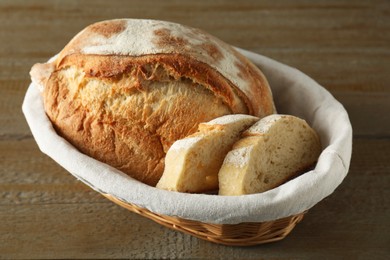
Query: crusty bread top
pixel 264 125
pixel 180 46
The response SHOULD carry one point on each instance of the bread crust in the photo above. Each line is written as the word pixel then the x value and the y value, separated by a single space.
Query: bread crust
pixel 136 37
pixel 175 66
pixel 122 91
pixel 127 126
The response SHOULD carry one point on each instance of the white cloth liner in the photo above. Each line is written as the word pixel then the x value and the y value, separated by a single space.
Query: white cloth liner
pixel 294 93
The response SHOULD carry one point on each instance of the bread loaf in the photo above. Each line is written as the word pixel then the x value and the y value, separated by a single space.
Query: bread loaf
pixel 122 91
pixel 192 164
pixel 272 151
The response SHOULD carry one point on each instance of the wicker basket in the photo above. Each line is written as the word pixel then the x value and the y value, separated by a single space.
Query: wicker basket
pixel 242 234
pixel 281 208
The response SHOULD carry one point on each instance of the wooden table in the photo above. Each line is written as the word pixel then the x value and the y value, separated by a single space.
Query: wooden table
pixel 344 45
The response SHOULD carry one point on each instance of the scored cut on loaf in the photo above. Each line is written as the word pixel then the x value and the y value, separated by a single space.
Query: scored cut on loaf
pixel 122 91
pixel 274 150
pixel 192 164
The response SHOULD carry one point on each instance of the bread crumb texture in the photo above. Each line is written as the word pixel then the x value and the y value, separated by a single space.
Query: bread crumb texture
pixel 195 166
pixel 271 152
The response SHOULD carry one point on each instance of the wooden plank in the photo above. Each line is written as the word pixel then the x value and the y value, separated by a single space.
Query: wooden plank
pixel 12 122
pixel 31 177
pixel 368 112
pixel 339 69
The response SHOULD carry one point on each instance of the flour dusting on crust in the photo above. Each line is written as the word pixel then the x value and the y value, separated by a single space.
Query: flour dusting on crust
pixel 228 119
pixel 239 157
pixel 185 143
pixel 137 37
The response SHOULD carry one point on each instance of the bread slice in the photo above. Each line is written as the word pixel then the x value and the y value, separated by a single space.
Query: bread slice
pixel 272 151
pixel 192 163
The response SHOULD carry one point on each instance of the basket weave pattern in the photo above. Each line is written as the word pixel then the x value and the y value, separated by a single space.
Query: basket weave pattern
pixel 242 234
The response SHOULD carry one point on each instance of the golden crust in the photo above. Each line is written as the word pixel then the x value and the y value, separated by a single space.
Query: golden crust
pixel 128 121
pixel 192 47
pixel 178 66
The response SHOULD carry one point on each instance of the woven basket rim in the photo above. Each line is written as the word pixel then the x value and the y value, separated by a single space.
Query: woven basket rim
pixel 240 234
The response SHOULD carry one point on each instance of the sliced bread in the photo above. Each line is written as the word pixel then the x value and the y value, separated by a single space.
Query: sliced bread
pixel 275 149
pixel 192 164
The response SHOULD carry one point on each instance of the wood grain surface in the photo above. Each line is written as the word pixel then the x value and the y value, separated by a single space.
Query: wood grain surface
pixel 344 45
